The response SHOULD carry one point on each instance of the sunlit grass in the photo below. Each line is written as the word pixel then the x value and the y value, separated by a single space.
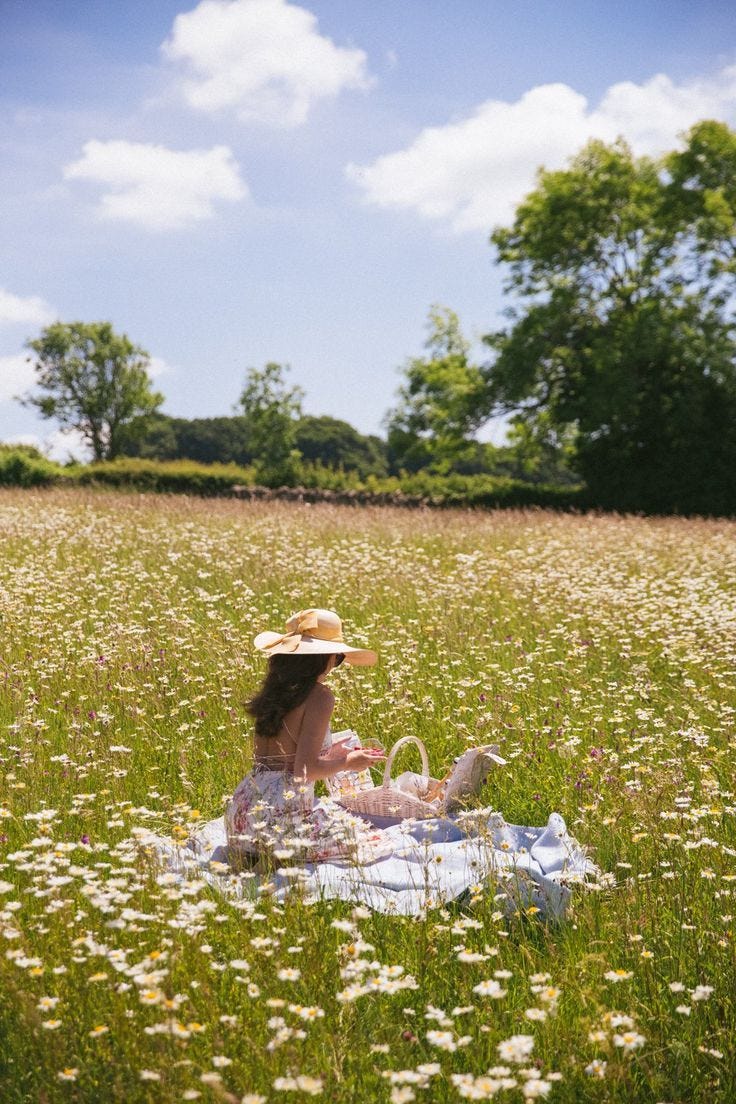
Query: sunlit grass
pixel 600 652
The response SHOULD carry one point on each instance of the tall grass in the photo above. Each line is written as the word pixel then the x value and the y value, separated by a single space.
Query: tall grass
pixel 599 652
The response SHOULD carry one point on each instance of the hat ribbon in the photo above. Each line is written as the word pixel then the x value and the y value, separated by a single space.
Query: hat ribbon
pixel 291 640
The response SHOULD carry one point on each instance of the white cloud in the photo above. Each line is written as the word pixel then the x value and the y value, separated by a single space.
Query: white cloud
pixel 16 375
pixel 265 59
pixel 471 173
pixel 155 187
pixel 157 366
pixel 65 444
pixel 29 311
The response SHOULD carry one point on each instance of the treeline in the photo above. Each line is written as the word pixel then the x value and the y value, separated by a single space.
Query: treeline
pixel 326 441
pixel 229 440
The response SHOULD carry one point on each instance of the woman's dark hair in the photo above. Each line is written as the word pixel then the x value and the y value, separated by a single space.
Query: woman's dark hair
pixel 287 684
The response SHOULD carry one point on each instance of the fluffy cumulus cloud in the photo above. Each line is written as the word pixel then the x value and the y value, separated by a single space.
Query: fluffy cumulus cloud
pixel 471 173
pixel 28 311
pixel 155 187
pixel 265 59
pixel 157 366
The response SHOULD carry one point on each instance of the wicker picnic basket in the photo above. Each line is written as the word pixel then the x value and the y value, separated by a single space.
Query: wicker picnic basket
pixel 387 800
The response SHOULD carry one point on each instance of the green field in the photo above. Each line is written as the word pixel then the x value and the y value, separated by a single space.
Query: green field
pixel 599 651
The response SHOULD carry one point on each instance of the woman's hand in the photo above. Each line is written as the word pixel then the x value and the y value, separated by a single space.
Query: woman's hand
pixel 362 758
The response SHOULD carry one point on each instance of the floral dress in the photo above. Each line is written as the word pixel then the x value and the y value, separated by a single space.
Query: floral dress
pixel 273 813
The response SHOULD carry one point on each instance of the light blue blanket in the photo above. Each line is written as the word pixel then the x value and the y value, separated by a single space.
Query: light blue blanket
pixel 421 864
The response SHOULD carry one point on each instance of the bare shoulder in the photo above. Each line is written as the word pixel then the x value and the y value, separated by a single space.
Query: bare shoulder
pixel 320 698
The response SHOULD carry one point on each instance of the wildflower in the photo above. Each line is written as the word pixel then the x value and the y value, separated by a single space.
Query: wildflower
pixel 288 973
pixel 344 926
pixel 149 1075
pixel 405 1077
pixel 628 1041
pixel 302 1083
pixel 445 1040
pixel 50 1025
pixel 489 988
pixel 618 1019
pixel 310 1013
pixel 471 956
pixel 429 1069
pixel 68 1074
pixel 402 1094
pixel 596 1068
pixel 618 975
pixel 535 1087
pixel 517 1048
pixel 101 1029
pixel 150 996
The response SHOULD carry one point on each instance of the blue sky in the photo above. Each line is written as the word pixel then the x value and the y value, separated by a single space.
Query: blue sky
pixel 249 180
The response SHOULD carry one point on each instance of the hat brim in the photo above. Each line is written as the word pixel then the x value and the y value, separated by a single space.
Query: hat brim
pixel 311 645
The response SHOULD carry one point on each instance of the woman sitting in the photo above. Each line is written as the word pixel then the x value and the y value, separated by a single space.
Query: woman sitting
pixel 273 809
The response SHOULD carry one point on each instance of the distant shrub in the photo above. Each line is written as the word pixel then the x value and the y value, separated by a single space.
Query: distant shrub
pixel 26 450
pixel 173 476
pixel 25 466
pixel 489 491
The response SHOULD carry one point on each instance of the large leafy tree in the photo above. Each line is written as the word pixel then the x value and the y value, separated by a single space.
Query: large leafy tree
pixel 92 380
pixel 621 336
pixel 441 402
pixel 271 408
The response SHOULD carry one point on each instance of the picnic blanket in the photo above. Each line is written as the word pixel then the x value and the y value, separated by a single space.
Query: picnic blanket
pixel 418 864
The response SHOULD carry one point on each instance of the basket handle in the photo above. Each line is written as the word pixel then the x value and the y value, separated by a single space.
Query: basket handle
pixel 392 755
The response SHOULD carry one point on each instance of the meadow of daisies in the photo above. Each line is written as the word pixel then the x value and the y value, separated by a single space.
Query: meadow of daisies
pixel 598 651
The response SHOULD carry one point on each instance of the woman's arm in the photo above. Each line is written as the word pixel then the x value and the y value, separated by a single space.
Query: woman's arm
pixel 308 765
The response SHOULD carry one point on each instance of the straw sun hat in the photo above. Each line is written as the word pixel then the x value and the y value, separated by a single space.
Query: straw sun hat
pixel 313 632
